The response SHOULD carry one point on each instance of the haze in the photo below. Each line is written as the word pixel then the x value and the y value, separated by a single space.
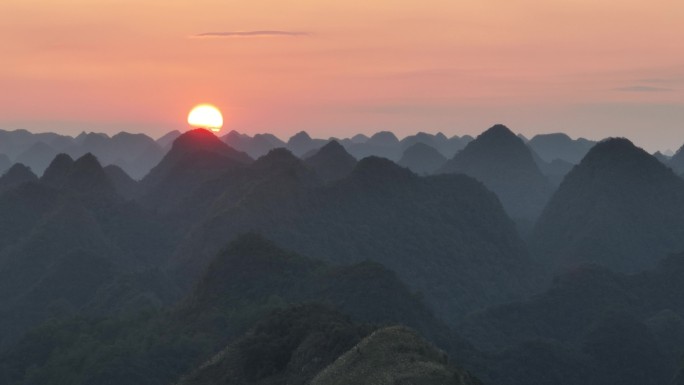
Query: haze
pixel 588 68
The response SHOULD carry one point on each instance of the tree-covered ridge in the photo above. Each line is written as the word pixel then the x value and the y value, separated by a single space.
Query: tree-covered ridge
pixel 247 281
pixel 606 327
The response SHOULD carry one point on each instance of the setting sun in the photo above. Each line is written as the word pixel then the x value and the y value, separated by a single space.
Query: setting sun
pixel 206 116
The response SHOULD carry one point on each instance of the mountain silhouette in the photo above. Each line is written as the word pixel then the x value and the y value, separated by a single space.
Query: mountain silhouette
pixel 664 159
pixel 301 143
pixel 125 186
pixel 422 159
pixel 87 176
pixel 620 207
pixel 677 161
pixel 195 157
pixel 256 146
pixel 383 138
pixel 37 157
pixel 331 162
pixel 560 146
pixel 506 166
pixel 57 171
pixel 16 175
pixel 166 140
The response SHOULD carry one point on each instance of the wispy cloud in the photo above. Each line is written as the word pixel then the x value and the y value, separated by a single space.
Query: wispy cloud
pixel 643 89
pixel 246 34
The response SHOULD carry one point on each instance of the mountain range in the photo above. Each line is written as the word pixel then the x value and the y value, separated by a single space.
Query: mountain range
pixel 252 260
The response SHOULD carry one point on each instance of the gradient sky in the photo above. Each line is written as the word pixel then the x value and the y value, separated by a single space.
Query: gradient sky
pixel 591 68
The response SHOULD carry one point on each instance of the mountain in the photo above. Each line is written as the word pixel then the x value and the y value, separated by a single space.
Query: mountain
pixel 5 163
pixel 13 143
pixel 383 138
pixel 677 161
pixel 195 157
pixel 289 346
pixel 166 140
pixel 427 229
pixel 57 171
pixel 554 171
pixel 422 159
pixel 301 143
pixel 560 146
pixel 125 186
pixel 245 314
pixel 506 166
pixel 383 144
pixel 71 245
pixel 620 207
pixel 16 175
pixel 664 159
pixel 393 355
pixel 331 162
pixel 135 153
pixel 256 146
pixel 37 157
pixel 601 326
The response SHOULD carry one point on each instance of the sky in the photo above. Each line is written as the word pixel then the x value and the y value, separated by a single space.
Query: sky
pixel 590 68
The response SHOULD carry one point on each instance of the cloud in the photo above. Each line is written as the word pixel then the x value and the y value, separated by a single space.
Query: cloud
pixel 643 89
pixel 246 34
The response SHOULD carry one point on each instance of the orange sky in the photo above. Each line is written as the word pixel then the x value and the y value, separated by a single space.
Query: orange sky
pixel 592 68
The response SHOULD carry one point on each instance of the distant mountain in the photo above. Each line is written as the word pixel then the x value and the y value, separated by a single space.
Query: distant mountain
pixel 422 159
pixel 664 159
pixel 5 163
pixel 554 171
pixel 506 166
pixel 256 146
pixel 620 207
pixel 16 175
pixel 301 143
pixel 136 153
pixel 166 140
pixel 677 161
pixel 381 212
pixel 394 355
pixel 57 171
pixel 331 162
pixel 445 146
pixel 14 143
pixel 195 157
pixel 560 146
pixel 383 144
pixel 383 138
pixel 37 157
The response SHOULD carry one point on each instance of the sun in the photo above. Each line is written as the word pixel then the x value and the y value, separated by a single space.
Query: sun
pixel 206 116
